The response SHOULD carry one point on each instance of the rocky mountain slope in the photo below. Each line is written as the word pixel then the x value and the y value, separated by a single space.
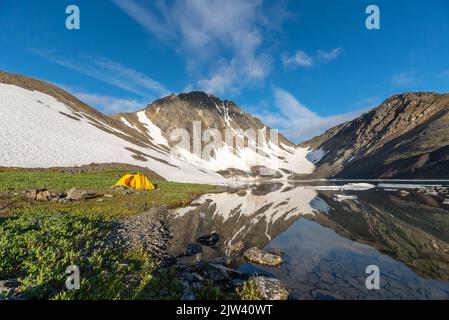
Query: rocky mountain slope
pixel 41 125
pixel 244 144
pixel 407 136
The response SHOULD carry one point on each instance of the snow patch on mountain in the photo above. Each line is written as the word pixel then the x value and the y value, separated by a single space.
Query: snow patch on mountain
pixel 36 131
pixel 153 131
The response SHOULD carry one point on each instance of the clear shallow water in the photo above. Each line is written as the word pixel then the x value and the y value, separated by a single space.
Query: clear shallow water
pixel 328 244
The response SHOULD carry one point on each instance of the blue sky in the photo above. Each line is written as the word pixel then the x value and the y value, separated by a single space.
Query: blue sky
pixel 301 66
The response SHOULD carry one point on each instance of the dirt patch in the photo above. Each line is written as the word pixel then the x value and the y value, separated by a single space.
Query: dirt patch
pixel 8 202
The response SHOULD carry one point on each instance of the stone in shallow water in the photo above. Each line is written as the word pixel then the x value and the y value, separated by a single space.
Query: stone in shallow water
pixel 208 240
pixel 262 257
pixel 271 288
pixel 193 249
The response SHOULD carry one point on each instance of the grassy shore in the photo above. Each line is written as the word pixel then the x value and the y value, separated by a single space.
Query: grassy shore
pixel 38 240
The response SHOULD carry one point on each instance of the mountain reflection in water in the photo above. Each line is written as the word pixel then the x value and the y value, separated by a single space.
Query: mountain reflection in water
pixel 328 242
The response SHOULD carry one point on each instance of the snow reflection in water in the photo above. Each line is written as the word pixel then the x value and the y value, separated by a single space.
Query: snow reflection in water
pixel 408 238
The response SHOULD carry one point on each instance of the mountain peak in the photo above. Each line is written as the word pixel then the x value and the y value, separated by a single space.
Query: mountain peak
pixel 203 98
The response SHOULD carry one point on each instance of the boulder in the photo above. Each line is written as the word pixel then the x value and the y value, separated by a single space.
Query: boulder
pixel 193 249
pixel 404 193
pixel 271 288
pixel 78 194
pixel 217 272
pixel 31 194
pixel 43 195
pixel 39 195
pixel 262 257
pixel 75 194
pixel 208 240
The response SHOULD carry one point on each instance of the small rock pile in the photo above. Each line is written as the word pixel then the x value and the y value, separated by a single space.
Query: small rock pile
pixel 63 197
pixel 148 229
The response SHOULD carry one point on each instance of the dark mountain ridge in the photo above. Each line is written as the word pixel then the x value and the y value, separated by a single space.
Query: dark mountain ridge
pixel 407 136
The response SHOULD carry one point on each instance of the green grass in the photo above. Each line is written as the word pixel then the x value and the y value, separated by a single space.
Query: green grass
pixel 249 291
pixel 170 194
pixel 57 181
pixel 37 249
pixel 38 240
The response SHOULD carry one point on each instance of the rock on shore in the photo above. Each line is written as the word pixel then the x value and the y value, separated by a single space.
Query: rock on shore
pixel 271 288
pixel 262 257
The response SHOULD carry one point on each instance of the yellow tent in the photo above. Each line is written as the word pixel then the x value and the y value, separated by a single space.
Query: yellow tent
pixel 136 181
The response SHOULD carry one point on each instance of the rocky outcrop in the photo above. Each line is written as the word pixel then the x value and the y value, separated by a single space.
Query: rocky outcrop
pixel 405 137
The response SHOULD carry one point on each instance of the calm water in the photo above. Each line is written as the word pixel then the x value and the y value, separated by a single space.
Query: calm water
pixel 328 242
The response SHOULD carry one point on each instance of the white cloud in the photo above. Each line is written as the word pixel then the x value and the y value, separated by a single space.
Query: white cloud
pixel 110 72
pixel 109 104
pixel 303 59
pixel 300 58
pixel 298 122
pixel 104 103
pixel 156 24
pixel 404 79
pixel 221 41
pixel 329 55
